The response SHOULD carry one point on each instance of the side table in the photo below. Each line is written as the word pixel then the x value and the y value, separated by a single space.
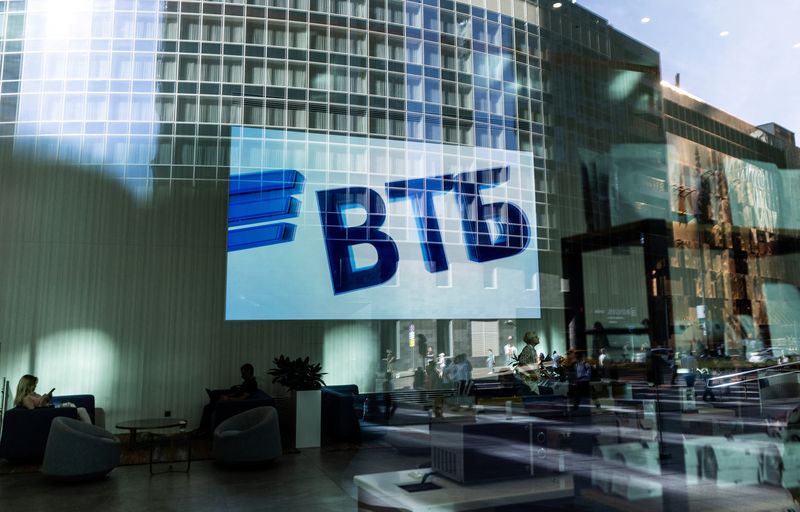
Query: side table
pixel 171 442
pixel 171 435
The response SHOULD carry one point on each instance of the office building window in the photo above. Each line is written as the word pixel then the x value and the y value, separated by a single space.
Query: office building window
pixel 298 76
pixel 212 28
pixel 298 36
pixel 276 34
pixel 255 32
pixel 358 43
pixel 210 68
pixel 377 83
pixel 276 73
pixel 209 110
pixel 234 30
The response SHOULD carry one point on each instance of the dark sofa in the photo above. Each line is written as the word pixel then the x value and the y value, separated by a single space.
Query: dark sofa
pixel 25 431
pixel 224 409
pixel 341 410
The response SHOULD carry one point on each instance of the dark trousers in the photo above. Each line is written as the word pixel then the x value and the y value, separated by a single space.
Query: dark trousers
pixel 208 409
pixel 708 392
pixel 579 392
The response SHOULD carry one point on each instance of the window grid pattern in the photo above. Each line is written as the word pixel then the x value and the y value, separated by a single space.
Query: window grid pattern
pixel 144 88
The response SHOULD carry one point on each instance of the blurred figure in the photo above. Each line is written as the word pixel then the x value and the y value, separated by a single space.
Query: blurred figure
pixel 689 365
pixel 603 357
pixel 601 363
pixel 528 355
pixel 429 356
pixel 599 338
pixel 705 374
pixel 510 351
pixel 490 361
pixel 556 359
pixel 432 378
pixel 419 378
pixel 388 365
pixel 464 370
pixel 583 375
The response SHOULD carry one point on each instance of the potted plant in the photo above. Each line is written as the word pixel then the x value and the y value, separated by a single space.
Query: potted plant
pixel 304 379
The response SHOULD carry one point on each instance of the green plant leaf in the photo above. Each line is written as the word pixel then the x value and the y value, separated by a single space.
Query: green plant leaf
pixel 297 374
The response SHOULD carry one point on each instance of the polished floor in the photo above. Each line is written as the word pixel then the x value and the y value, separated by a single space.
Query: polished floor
pixel 313 480
pixel 316 480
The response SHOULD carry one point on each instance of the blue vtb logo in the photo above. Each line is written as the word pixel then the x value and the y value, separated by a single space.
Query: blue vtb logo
pixel 258 199
pixel 273 190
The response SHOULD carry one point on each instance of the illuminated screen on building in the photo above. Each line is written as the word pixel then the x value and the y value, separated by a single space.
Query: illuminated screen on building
pixel 337 227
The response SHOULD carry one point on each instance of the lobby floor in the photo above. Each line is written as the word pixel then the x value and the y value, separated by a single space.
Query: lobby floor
pixel 313 480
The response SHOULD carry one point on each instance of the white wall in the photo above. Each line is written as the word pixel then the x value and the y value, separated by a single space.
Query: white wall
pixel 122 299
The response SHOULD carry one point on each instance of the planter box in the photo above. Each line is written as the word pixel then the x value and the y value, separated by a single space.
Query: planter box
pixel 308 407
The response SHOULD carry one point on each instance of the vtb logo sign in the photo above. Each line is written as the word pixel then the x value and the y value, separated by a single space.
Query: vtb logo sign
pixel 268 198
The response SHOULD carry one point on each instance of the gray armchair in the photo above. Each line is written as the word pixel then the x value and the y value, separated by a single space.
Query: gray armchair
pixel 250 437
pixel 79 451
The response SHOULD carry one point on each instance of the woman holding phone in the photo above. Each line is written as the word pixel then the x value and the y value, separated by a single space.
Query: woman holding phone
pixel 27 396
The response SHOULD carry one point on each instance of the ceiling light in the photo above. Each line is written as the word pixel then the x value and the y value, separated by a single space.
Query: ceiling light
pixel 645 20
pixel 556 5
pixel 724 33
pixel 797 45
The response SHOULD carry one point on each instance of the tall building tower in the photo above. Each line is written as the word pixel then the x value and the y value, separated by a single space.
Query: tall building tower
pixel 734 227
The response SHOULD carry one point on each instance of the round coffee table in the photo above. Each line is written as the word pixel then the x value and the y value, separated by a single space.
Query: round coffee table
pixel 149 424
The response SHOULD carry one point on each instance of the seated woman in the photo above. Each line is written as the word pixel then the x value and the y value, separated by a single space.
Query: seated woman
pixel 28 398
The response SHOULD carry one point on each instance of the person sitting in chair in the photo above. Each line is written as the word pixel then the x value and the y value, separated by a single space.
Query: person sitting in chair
pixel 248 386
pixel 243 391
pixel 27 396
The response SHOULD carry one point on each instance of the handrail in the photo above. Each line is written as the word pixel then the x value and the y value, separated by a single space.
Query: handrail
pixel 746 372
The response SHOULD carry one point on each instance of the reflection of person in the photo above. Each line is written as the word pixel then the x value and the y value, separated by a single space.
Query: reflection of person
pixel 429 356
pixel 490 361
pixel 583 374
pixel 603 358
pixel 432 378
pixel 599 338
pixel 463 368
pixel 449 372
pixel 605 365
pixel 708 391
pixel 556 359
pixel 510 350
pixel 422 345
pixel 419 378
pixel 440 363
pixel 388 363
pixel 689 364
pixel 462 373
pixel 526 362
pixel 27 396
pixel 528 354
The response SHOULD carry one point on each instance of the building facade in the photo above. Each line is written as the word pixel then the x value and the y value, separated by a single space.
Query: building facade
pixel 123 121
